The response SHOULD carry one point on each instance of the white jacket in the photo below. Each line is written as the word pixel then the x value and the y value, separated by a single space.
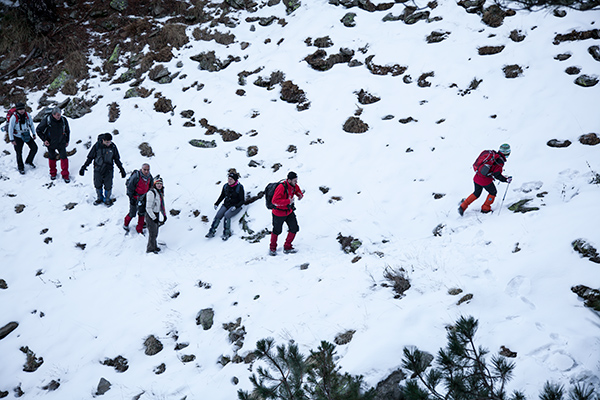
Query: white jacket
pixel 15 129
pixel 153 204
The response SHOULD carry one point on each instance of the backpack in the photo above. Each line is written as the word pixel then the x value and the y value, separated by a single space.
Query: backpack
pixel 9 114
pixel 483 164
pixel 270 191
pixel 131 176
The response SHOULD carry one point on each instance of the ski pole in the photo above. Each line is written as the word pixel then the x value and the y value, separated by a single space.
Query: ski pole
pixel 503 197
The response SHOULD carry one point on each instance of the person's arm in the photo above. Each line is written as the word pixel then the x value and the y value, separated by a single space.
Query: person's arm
pixel 30 126
pixel 11 129
pixel 67 130
pixel 241 197
pixel 150 197
pixel 117 159
pixel 221 197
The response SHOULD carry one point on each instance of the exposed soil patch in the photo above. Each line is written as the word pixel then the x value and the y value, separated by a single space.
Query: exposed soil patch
pixel 488 50
pixel 291 93
pixel 208 35
pixel 366 98
pixel 512 71
pixel 422 81
pixel 516 36
pixel 576 35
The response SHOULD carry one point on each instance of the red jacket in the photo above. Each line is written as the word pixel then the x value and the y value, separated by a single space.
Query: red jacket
pixel 495 172
pixel 282 198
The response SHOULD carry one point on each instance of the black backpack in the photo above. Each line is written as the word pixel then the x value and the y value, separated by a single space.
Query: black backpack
pixel 270 191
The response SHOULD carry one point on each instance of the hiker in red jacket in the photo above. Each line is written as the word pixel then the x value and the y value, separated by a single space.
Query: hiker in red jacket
pixel 283 200
pixel 488 167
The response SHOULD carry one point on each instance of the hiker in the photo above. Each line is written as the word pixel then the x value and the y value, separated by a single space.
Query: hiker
pixel 233 194
pixel 104 153
pixel 488 167
pixel 54 132
pixel 138 184
pixel 283 200
pixel 155 205
pixel 20 132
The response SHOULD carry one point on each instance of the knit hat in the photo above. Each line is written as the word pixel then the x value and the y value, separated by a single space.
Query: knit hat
pixel 107 136
pixel 505 149
pixel 233 175
pixel 20 106
pixel 292 175
pixel 158 179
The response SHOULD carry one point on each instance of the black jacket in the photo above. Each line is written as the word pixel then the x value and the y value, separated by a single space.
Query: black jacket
pixel 103 157
pixel 234 195
pixel 56 132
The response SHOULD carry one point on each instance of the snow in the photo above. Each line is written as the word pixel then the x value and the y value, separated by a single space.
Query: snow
pixel 75 307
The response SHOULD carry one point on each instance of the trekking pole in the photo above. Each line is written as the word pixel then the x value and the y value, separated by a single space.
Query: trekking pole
pixel 503 197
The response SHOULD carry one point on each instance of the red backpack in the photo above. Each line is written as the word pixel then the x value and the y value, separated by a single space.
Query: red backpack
pixel 483 164
pixel 9 114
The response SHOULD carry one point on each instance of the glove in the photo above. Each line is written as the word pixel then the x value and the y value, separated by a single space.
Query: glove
pixel 82 171
pixel 509 179
pixel 123 174
pixel 216 206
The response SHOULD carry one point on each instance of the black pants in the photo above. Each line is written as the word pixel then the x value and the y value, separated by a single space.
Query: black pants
pixel 62 152
pixel 491 189
pixel 103 178
pixel 19 143
pixel 290 220
pixel 152 235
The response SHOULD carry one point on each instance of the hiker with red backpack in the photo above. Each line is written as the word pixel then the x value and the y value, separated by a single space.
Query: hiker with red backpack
pixel 488 167
pixel 20 132
pixel 54 132
pixel 283 211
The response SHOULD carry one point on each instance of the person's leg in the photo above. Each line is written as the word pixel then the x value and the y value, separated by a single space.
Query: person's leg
pixel 152 235
pixel 64 163
pixel 215 224
pixel 52 162
pixel 19 151
pixel 277 229
pixel 227 220
pixel 293 228
pixel 107 181
pixel 33 148
pixel 487 205
pixel 98 187
pixel 472 197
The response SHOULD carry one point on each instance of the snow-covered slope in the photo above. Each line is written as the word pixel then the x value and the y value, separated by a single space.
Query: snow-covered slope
pixel 76 307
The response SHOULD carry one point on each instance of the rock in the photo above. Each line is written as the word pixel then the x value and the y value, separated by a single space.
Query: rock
pixel 344 338
pixel 187 358
pixel 52 385
pixel 366 98
pixel 573 70
pixel 439 229
pixel 562 57
pixel 7 329
pixel 251 151
pixel 59 81
pixel 119 5
pixel 145 149
pixel 160 369
pixel 355 125
pixel 416 17
pixel 516 36
pixel 187 113
pixel 205 318
pixel 591 139
pixel 595 52
pixel 560 13
pixel 158 72
pixel 389 388
pixel 153 345
pixel 591 296
pixel 493 16
pixel 436 37
pixel 19 208
pixel 507 352
pixel 454 291
pixel 586 250
pixel 204 144
pixel 103 387
pixel 163 105
pixel 464 299
pixel 348 20
pixel 3 284
pixel 323 42
pixel 586 81
pixel 209 61
pixel 558 143
pixel 33 362
pixel 519 206
pixel 348 243
pixel 78 107
pixel 512 71
pixel 291 93
pixel 489 50
pixel 119 363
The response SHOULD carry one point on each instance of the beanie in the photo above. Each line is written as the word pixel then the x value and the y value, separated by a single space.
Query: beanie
pixel 158 179
pixel 107 136
pixel 292 175
pixel 505 149
pixel 234 175
pixel 20 106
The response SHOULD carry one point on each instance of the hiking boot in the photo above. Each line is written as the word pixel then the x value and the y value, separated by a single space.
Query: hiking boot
pixel 67 180
pixel 109 202
pixel 98 201
pixel 53 177
pixel 22 171
pixel 126 228
pixel 461 211
pixel 30 164
pixel 272 252
pixel 226 235
pixel 210 234
pixel 291 250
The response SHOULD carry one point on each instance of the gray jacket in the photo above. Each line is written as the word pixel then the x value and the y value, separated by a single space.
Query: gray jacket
pixel 23 130
pixel 155 204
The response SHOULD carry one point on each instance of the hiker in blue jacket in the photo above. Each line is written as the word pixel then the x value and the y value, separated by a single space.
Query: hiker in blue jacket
pixel 233 194
pixel 20 132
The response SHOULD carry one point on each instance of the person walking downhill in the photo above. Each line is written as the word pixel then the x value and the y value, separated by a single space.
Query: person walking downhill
pixel 283 200
pixel 233 194
pixel 20 132
pixel 488 167
pixel 104 154
pixel 155 205
pixel 138 184
pixel 55 133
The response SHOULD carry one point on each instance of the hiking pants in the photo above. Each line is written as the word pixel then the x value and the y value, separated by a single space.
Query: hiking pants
pixel 103 178
pixel 133 207
pixel 491 189
pixel 64 161
pixel 19 143
pixel 152 235
pixel 224 212
pixel 290 220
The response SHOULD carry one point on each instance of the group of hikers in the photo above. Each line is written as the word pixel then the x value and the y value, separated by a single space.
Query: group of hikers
pixel 146 193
